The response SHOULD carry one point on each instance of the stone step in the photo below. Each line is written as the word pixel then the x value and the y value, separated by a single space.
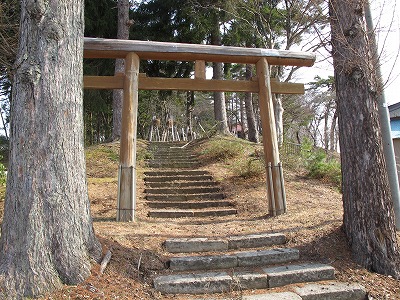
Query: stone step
pixel 181 184
pixel 330 291
pixel 284 275
pixel 205 283
pixel 234 260
pixel 178 178
pixel 220 282
pixel 188 204
pixel 187 245
pixel 188 197
pixel 182 190
pixel 159 158
pixel 171 152
pixel 177 213
pixel 174 165
pixel 177 173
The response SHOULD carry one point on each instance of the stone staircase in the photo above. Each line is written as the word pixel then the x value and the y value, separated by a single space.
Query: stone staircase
pixel 176 189
pixel 250 262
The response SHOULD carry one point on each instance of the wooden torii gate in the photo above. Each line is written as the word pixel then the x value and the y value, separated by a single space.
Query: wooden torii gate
pixel 131 81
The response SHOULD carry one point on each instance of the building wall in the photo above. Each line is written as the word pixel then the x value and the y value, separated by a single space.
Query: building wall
pixel 396 146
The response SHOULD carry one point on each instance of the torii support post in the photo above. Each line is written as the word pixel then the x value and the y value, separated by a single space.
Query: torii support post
pixel 275 184
pixel 127 167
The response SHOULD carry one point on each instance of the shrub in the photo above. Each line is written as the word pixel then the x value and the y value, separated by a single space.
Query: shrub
pixel 250 167
pixel 222 149
pixel 319 165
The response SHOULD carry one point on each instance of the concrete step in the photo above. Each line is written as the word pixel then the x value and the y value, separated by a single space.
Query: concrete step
pixel 178 213
pixel 188 245
pixel 178 178
pixel 220 282
pixel 234 260
pixel 177 173
pixel 330 291
pixel 180 184
pixel 188 204
pixel 188 197
pixel 182 190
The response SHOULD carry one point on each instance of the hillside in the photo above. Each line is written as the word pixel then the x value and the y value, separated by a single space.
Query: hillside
pixel 312 224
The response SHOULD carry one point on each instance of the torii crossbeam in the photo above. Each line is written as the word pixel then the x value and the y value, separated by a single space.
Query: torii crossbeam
pixel 131 81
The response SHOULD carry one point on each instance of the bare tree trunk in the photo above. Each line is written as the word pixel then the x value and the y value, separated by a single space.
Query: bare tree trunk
pixel 123 33
pixel 333 132
pixel 219 97
pixel 189 114
pixel 278 108
pixel 243 118
pixel 368 209
pixel 219 102
pixel 47 235
pixel 326 129
pixel 251 119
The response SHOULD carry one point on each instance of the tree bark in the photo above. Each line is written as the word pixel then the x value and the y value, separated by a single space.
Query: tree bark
pixel 219 97
pixel 368 209
pixel 118 95
pixel 251 119
pixel 47 235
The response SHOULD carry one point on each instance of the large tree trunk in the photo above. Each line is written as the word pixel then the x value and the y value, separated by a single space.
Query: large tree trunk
pixel 368 210
pixel 123 34
pixel 47 235
pixel 251 119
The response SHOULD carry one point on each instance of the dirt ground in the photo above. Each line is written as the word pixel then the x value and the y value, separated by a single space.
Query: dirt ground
pixel 312 225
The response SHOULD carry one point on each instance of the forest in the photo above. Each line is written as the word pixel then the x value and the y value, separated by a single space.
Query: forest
pixel 273 24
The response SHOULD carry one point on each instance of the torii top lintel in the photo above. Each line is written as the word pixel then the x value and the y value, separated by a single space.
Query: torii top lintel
pixel 114 48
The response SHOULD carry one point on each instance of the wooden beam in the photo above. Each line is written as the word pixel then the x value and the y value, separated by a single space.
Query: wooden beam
pixel 187 84
pixel 114 48
pixel 127 169
pixel 275 186
pixel 103 82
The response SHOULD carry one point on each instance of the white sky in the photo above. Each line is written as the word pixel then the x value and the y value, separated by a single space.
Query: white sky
pixel 387 22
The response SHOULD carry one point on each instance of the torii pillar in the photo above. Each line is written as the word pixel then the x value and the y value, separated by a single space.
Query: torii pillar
pixel 127 168
pixel 275 184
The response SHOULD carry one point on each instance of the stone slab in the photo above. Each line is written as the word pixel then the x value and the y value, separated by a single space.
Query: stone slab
pixel 273 296
pixel 217 282
pixel 219 212
pixel 267 257
pixel 283 275
pixel 256 240
pixel 187 245
pixel 250 280
pixel 170 213
pixel 184 190
pixel 202 262
pixel 189 204
pixel 332 291
pixel 178 178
